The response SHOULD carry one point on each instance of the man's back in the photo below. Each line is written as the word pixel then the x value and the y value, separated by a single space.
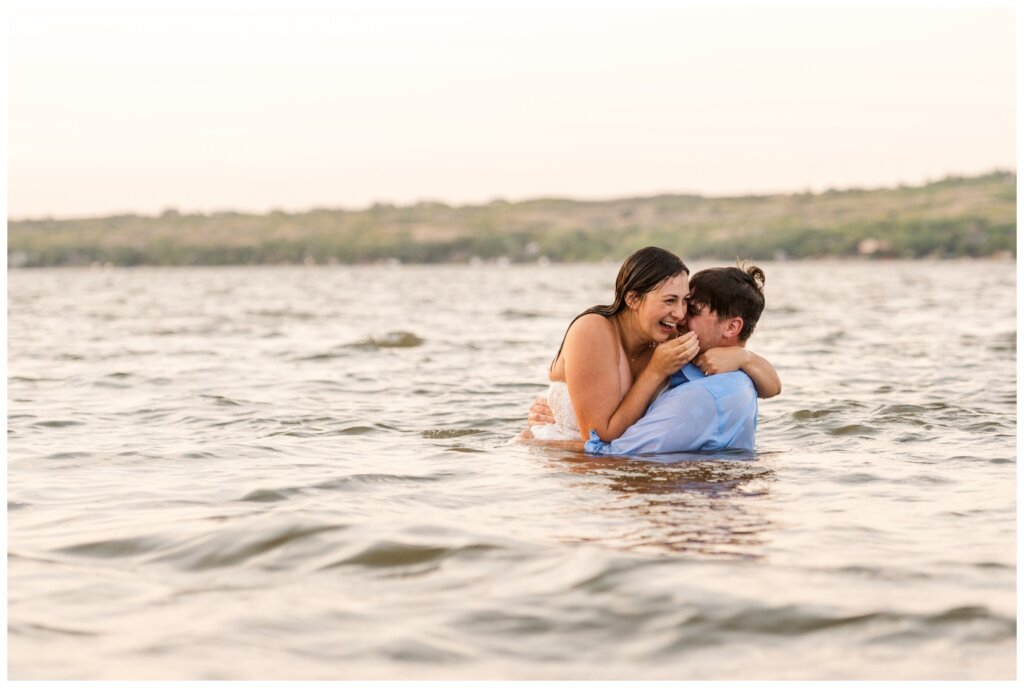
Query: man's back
pixel 700 413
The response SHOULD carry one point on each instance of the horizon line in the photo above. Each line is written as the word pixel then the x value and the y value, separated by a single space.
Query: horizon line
pixel 498 199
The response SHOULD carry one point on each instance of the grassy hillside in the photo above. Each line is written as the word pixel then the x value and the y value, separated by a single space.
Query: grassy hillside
pixel 958 216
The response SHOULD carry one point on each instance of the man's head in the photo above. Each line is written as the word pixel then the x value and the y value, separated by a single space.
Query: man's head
pixel 725 305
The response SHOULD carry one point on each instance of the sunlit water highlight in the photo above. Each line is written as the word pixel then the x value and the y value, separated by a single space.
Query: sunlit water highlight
pixel 306 473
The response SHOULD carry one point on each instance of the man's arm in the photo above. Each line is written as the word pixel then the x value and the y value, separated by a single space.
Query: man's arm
pixel 682 419
pixel 724 359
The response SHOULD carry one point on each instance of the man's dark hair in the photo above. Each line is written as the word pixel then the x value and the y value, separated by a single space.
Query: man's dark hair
pixel 730 293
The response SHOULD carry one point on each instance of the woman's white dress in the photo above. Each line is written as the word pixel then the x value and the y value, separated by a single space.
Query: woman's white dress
pixel 564 427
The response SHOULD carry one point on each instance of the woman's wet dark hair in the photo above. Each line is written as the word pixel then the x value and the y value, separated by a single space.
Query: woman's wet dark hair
pixel 641 273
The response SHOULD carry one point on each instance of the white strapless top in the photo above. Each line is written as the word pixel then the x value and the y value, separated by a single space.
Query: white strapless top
pixel 564 427
pixel 561 407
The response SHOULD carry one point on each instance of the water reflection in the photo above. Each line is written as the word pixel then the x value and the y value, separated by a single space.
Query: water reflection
pixel 708 505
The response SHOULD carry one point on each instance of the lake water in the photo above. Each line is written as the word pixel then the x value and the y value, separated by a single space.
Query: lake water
pixel 307 473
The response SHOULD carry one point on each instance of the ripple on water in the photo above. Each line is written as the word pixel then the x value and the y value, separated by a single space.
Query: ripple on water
pixel 352 430
pixel 220 400
pixel 522 314
pixel 356 482
pixel 857 478
pixel 706 625
pixel 826 411
pixel 66 456
pixel 790 620
pixel 812 414
pixel 235 547
pixel 44 630
pixel 199 455
pixel 349 483
pixel 930 479
pixel 57 423
pixel 390 554
pixel 115 548
pixel 355 430
pixel 112 383
pixel 443 433
pixel 392 340
pixel 1004 342
pixel 966 624
pixel 853 429
pixel 325 356
pixel 271 495
pixel 283 313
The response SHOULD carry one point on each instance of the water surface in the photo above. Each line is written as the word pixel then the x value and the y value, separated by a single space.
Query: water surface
pixel 306 473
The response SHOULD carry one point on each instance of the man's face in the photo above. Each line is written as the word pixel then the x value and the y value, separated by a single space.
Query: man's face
pixel 705 325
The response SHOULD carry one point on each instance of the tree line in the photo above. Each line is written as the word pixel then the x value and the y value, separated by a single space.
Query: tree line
pixel 951 217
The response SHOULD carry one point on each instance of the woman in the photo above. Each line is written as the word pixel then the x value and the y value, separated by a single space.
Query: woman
pixel 615 359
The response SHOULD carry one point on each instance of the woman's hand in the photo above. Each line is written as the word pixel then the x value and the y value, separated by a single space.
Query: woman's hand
pixel 672 355
pixel 592 374
pixel 723 359
pixel 540 413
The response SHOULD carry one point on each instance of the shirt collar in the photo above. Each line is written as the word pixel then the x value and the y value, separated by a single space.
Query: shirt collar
pixel 688 373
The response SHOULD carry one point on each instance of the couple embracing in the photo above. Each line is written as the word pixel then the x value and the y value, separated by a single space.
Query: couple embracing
pixel 664 367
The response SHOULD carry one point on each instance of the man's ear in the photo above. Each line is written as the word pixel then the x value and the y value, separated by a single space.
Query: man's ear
pixel 733 327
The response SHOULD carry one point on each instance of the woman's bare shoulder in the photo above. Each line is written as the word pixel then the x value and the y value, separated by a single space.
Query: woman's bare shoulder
pixel 592 325
pixel 589 338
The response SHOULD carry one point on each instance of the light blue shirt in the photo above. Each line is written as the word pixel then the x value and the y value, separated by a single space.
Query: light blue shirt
pixel 697 413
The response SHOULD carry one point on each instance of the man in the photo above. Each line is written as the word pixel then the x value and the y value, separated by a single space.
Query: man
pixel 697 411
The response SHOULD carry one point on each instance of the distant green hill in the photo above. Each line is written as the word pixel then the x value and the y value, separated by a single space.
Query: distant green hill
pixel 958 216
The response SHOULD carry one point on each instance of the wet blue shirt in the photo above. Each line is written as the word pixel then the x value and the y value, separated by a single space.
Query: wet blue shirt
pixel 696 413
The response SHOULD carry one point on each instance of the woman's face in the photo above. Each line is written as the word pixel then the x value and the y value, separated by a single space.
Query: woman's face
pixel 660 311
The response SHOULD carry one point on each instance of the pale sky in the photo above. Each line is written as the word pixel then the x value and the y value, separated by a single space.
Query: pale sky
pixel 130 110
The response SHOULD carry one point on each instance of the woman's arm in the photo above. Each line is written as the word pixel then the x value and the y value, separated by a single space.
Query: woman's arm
pixel 725 359
pixel 591 353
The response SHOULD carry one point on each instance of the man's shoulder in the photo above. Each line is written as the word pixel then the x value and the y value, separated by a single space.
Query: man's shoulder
pixel 737 379
pixel 691 375
pixel 734 387
pixel 723 388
